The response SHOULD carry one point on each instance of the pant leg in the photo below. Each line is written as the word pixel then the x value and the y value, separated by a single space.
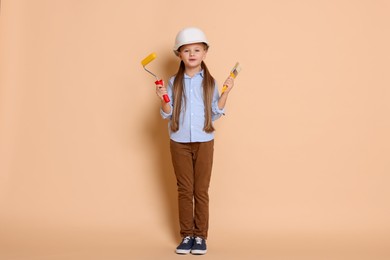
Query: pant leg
pixel 203 162
pixel 182 160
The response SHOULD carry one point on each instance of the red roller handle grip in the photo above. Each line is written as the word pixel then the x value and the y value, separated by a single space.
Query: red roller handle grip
pixel 166 98
pixel 160 82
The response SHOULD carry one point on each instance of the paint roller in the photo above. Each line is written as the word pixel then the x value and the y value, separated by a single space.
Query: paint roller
pixel 158 81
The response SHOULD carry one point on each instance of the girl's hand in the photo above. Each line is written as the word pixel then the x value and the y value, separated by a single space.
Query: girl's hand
pixel 161 90
pixel 229 82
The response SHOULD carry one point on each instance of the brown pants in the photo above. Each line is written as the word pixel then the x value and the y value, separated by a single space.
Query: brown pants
pixel 192 163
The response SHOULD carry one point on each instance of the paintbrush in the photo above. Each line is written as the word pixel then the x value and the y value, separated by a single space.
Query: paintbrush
pixel 236 69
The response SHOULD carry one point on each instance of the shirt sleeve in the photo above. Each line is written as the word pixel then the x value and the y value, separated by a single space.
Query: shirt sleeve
pixel 169 90
pixel 216 112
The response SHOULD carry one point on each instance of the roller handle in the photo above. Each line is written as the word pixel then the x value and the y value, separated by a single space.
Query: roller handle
pixel 160 82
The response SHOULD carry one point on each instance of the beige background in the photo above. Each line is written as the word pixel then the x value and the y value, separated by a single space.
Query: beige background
pixel 302 157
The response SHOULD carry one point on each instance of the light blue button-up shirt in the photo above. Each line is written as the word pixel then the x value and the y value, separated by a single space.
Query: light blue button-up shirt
pixel 192 116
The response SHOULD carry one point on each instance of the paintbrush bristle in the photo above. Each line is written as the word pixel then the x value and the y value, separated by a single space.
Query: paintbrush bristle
pixel 236 69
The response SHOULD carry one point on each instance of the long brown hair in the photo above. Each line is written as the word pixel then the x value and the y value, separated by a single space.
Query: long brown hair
pixel 208 85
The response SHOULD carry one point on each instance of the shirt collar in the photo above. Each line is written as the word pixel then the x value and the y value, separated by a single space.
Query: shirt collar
pixel 200 73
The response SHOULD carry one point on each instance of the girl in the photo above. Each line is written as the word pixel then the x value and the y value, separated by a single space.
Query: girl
pixel 195 104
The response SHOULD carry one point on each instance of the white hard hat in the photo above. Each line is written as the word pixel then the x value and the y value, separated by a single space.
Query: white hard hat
pixel 187 36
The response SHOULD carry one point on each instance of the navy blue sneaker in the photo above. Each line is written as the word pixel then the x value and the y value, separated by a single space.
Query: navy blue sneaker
pixel 185 245
pixel 199 247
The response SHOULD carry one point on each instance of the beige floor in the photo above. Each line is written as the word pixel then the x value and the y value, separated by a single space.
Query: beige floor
pixel 73 244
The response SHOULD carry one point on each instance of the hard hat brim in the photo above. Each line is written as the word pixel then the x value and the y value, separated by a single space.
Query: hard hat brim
pixel 176 48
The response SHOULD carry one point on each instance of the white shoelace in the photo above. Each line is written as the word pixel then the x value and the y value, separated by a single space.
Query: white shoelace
pixel 186 240
pixel 198 240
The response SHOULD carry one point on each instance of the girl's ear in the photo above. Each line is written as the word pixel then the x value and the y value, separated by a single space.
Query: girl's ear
pixel 205 54
pixel 205 51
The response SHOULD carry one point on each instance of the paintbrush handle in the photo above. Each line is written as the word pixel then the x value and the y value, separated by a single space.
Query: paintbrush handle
pixel 224 88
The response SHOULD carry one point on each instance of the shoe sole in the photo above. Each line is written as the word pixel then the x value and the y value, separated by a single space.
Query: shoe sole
pixel 198 252
pixel 183 251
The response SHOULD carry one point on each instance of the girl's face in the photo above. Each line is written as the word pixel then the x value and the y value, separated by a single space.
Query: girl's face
pixel 192 55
